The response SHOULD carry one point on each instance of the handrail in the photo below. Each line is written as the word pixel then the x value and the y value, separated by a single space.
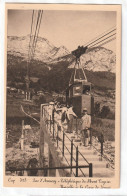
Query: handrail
pixel 64 146
pixel 103 155
pixel 29 115
pixel 83 157
pixel 67 149
pixel 67 137
pixel 43 168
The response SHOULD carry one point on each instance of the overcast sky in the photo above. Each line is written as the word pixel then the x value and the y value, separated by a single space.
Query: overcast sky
pixel 68 28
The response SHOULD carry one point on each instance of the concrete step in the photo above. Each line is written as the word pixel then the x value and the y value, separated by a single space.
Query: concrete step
pixel 88 157
pixel 84 172
pixel 96 164
pixel 84 153
pixel 100 172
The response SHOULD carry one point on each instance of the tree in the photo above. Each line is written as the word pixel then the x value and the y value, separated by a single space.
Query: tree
pixel 97 109
pixel 42 99
pixel 105 111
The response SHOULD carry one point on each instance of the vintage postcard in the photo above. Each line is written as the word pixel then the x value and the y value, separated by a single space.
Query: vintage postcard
pixel 62 96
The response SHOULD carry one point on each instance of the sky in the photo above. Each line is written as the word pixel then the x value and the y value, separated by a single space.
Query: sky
pixel 68 28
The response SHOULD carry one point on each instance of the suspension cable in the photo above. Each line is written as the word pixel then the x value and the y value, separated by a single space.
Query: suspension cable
pixel 33 38
pixel 103 40
pixel 107 42
pixel 37 33
pixel 31 33
pixel 33 29
pixel 101 35
pixel 32 47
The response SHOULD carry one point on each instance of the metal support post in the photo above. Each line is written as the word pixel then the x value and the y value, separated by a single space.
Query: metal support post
pixel 50 123
pixel 102 140
pixel 77 161
pixel 76 127
pixel 63 141
pixel 71 154
pixel 57 136
pixel 101 150
pixel 90 136
pixel 90 170
pixel 53 128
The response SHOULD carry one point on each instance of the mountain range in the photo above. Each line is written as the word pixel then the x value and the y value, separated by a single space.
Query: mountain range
pixel 96 59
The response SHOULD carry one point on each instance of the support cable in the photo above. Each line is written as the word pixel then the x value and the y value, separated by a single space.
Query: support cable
pixel 34 35
pixel 103 40
pixel 37 33
pixel 32 47
pixel 100 36
pixel 106 42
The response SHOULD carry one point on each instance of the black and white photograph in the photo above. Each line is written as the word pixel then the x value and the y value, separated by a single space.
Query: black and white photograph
pixel 62 80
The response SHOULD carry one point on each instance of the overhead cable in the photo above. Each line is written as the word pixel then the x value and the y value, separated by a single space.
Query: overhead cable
pixel 103 40
pixel 99 36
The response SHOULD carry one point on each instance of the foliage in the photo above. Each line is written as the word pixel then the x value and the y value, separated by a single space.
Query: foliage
pixel 97 109
pixel 56 78
pixel 105 126
pixel 104 111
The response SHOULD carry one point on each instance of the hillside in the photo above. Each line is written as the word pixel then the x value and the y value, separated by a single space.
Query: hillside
pixel 55 79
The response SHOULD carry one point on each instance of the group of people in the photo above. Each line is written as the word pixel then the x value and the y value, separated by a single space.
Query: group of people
pixel 65 117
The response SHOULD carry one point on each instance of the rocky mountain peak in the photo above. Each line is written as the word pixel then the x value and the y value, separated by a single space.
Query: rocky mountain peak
pixel 95 59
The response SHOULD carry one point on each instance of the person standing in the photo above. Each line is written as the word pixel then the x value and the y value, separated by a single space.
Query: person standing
pixel 64 118
pixel 86 124
pixel 51 110
pixel 71 115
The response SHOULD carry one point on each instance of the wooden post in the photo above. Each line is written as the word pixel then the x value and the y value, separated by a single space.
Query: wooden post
pixel 77 161
pixel 90 170
pixel 22 136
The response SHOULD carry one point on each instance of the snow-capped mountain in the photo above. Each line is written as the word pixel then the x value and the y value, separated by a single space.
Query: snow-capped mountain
pixel 96 59
pixel 45 51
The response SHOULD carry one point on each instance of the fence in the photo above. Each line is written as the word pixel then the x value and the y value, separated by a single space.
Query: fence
pixel 102 150
pixel 61 138
pixel 33 171
pixel 102 147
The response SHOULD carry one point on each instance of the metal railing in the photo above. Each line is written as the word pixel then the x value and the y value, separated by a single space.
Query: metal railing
pixel 53 128
pixel 102 149
pixel 34 171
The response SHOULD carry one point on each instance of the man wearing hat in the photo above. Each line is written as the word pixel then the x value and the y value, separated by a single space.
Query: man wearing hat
pixel 85 126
